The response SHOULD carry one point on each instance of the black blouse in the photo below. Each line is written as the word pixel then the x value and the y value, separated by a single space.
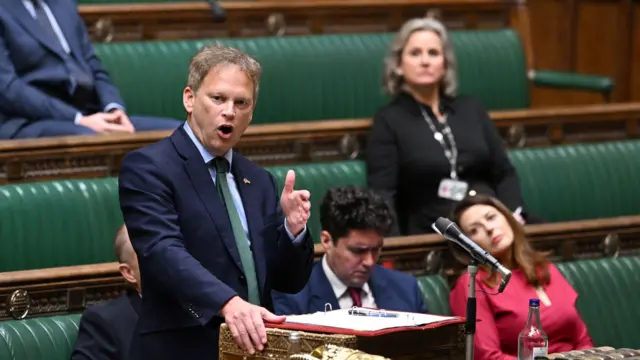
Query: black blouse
pixel 406 163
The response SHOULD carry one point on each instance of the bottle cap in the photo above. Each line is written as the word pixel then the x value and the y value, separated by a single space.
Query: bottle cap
pixel 534 302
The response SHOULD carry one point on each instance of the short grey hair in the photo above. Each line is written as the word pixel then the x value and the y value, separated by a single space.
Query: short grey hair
pixel 213 55
pixel 393 82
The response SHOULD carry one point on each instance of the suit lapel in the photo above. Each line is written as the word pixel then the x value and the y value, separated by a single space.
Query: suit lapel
pixel 384 298
pixel 251 196
pixel 22 15
pixel 321 291
pixel 205 188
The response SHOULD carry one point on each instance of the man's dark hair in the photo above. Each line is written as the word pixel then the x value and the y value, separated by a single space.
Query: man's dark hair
pixel 354 208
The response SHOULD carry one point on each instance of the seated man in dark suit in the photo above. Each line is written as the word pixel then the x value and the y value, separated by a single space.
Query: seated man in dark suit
pixel 106 329
pixel 51 82
pixel 354 222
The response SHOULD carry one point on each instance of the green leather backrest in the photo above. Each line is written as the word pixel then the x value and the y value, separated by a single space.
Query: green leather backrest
pixel 318 178
pixel 314 77
pixel 609 294
pixel 46 338
pixel 435 291
pixel 584 181
pixel 47 224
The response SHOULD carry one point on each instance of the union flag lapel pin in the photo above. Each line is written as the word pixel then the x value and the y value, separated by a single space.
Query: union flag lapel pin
pixel 246 181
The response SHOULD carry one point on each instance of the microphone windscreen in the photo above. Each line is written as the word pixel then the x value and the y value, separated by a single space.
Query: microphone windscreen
pixel 441 225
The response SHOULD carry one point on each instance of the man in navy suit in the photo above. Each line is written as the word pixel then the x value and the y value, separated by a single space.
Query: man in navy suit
pixel 51 82
pixel 354 222
pixel 212 235
pixel 106 329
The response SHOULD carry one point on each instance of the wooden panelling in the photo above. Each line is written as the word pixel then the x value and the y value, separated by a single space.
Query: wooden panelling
pixel 291 143
pixel 635 53
pixel 189 20
pixel 598 37
pixel 45 292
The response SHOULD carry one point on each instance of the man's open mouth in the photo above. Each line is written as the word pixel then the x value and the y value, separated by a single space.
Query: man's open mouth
pixel 225 129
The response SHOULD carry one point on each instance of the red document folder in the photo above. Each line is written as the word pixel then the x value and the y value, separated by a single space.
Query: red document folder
pixel 345 331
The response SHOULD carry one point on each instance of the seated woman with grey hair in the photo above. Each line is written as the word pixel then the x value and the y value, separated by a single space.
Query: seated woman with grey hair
pixel 430 148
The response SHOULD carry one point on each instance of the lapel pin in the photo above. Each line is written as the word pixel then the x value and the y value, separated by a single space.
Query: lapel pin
pixel 246 181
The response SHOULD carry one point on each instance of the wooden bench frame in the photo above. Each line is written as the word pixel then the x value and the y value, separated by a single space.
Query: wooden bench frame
pixel 60 290
pixel 189 20
pixel 290 143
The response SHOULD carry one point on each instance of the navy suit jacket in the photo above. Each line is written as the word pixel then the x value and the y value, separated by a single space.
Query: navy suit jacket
pixel 34 81
pixel 106 329
pixel 392 290
pixel 189 262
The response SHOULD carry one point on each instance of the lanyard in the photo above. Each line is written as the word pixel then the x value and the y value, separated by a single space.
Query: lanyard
pixel 451 153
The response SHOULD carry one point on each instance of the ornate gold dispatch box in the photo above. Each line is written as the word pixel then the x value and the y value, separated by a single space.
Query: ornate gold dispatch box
pixel 437 341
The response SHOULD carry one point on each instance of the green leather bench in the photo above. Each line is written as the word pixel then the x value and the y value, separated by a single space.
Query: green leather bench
pixel 73 222
pixel 48 224
pixel 583 181
pixel 60 223
pixel 46 338
pixel 608 298
pixel 328 76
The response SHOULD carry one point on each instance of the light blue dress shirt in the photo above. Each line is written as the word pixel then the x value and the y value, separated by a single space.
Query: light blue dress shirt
pixel 65 45
pixel 233 187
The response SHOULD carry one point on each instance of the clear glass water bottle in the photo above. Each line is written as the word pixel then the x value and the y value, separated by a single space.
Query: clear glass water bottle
pixel 295 343
pixel 532 341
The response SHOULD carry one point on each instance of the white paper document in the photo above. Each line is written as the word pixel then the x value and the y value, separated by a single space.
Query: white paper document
pixel 376 320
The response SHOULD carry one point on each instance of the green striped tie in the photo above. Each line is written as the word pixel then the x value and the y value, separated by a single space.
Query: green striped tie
pixel 246 256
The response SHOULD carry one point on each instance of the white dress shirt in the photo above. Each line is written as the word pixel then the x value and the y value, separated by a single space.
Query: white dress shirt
pixel 340 289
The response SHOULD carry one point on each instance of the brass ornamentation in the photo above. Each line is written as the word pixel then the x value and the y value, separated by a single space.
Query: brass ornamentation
pixel 516 136
pixel 435 14
pixel 19 304
pixel 103 30
pixel 611 246
pixel 349 147
pixel 276 24
pixel 433 262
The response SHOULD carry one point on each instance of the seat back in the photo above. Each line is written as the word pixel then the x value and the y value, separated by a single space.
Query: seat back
pixel 582 181
pixel 314 77
pixel 608 298
pixel 58 223
pixel 435 291
pixel 45 338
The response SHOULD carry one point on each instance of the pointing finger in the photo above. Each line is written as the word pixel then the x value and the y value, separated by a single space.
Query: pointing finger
pixel 289 182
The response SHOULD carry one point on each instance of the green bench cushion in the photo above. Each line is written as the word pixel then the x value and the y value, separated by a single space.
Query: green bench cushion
pixel 314 77
pixel 583 181
pixel 59 223
pixel 609 296
pixel 435 291
pixel 318 178
pixel 46 338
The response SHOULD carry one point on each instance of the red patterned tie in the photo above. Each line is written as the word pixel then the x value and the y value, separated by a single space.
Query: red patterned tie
pixel 355 296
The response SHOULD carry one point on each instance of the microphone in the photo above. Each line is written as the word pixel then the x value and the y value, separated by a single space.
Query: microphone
pixel 218 12
pixel 451 231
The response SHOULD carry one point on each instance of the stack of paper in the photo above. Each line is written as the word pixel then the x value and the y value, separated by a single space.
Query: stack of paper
pixel 344 319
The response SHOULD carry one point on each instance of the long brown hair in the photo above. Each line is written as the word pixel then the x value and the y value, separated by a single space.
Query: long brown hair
pixel 531 262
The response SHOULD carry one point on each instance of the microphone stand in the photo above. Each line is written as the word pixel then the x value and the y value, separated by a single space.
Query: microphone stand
pixel 470 325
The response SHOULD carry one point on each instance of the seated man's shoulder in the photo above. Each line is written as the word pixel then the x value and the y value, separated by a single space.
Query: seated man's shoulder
pixel 107 309
pixel 396 275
